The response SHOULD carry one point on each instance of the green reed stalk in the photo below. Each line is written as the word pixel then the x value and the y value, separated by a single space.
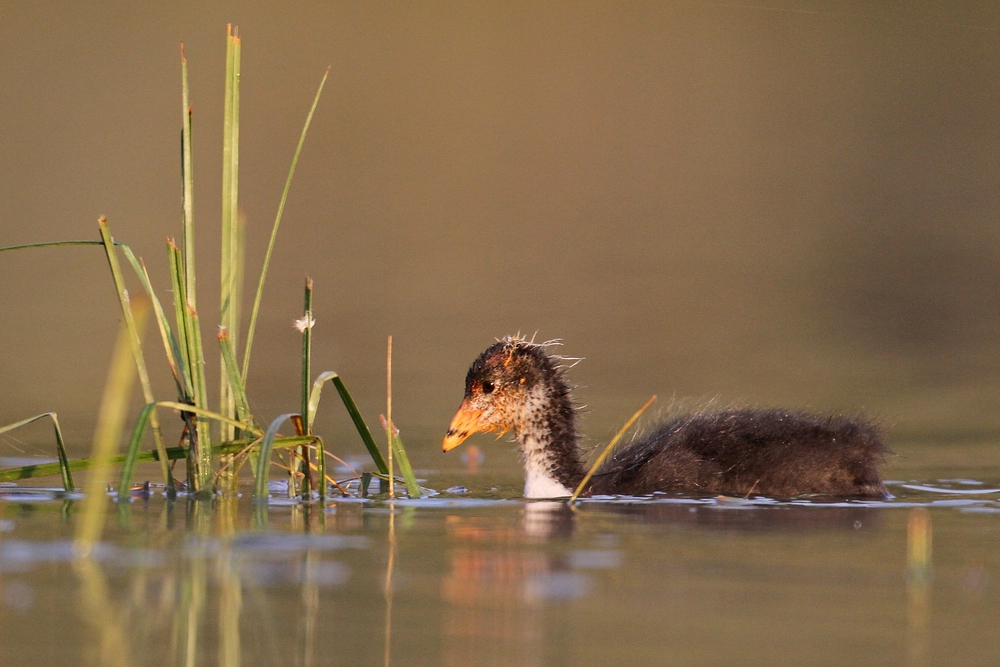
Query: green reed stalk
pixel 67 476
pixel 274 231
pixel 306 325
pixel 110 423
pixel 388 417
pixel 321 467
pixel 183 276
pixel 199 461
pixel 196 430
pixel 228 309
pixel 187 187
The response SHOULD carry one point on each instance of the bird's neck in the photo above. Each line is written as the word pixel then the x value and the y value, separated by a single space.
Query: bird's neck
pixel 546 433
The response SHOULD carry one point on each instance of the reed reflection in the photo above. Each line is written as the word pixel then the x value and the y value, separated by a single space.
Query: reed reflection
pixel 230 588
pixel 193 585
pixel 103 616
pixel 918 585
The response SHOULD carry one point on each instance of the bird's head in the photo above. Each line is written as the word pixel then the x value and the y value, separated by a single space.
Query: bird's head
pixel 500 388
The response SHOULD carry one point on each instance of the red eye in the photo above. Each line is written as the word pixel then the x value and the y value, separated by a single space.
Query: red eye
pixel 487 387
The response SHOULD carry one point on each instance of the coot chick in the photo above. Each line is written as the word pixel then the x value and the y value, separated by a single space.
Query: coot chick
pixel 516 385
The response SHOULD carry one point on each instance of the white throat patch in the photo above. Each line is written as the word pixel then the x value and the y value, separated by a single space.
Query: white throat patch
pixel 539 485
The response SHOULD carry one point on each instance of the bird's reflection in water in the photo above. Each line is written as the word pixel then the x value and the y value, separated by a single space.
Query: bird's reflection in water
pixel 740 515
pixel 548 519
pixel 506 580
pixel 499 583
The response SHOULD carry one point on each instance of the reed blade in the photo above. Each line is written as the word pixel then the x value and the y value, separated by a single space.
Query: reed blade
pixel 183 407
pixel 171 348
pixel 352 410
pixel 135 340
pixel 48 244
pixel 607 450
pixel 264 462
pixel 412 488
pixel 233 373
pixel 64 470
pixel 274 231
pixel 132 453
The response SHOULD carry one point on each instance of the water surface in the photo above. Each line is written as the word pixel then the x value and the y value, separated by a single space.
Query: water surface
pixel 477 576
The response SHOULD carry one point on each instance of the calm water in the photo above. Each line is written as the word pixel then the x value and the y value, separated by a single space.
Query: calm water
pixel 483 578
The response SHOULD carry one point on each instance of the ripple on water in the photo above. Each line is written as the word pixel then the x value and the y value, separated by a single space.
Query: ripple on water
pixel 326 574
pixel 448 503
pixel 18 595
pixel 286 542
pixel 981 509
pixel 557 586
pixel 22 555
pixel 940 489
pixel 594 559
pixel 25 496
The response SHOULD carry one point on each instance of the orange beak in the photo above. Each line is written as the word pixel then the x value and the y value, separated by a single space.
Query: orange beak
pixel 463 424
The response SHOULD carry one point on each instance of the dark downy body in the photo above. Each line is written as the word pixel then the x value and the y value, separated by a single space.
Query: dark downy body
pixel 739 452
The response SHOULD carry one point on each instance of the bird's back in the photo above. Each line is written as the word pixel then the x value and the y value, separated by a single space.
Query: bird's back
pixel 740 452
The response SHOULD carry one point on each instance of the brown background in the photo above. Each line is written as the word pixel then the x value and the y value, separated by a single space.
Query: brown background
pixel 793 203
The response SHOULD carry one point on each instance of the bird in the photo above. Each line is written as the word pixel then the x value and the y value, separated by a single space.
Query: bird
pixel 517 385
